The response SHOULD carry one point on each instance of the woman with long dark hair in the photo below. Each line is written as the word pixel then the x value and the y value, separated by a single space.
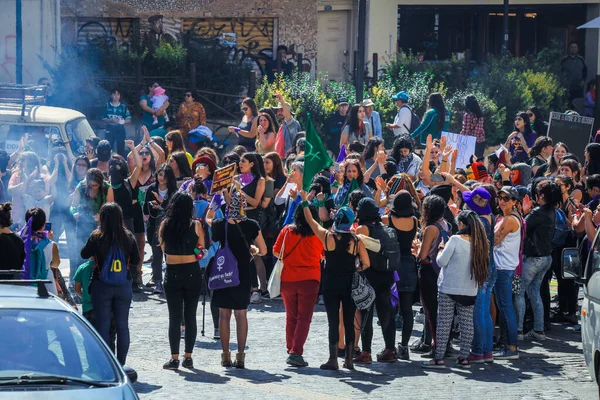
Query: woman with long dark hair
pixel 11 245
pixel 112 247
pixel 179 237
pixel 301 251
pixel 472 123
pixel 406 160
pixel 371 153
pixel 435 120
pixel 246 130
pixel 181 168
pixel 88 198
pixel 558 151
pixel 539 126
pixel 353 179
pixel 80 167
pixel 463 263
pixel 274 169
pixel 592 159
pixel 540 153
pixel 356 128
pixel 245 240
pixel 521 140
pixel 402 219
pixel 265 141
pixel 342 248
pixel 436 228
pixel 157 200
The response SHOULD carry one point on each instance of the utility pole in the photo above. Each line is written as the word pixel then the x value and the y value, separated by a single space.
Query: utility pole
pixel 505 20
pixel 360 56
pixel 19 42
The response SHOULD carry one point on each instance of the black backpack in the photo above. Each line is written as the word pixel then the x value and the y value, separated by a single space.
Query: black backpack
pixel 415 121
pixel 389 257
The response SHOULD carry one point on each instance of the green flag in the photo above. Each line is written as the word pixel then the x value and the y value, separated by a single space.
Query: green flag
pixel 316 158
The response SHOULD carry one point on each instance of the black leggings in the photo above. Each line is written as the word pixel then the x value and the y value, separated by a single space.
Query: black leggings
pixel 406 302
pixel 183 284
pixel 332 298
pixel 429 296
pixel 384 314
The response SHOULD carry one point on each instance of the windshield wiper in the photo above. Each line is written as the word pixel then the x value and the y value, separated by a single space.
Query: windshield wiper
pixel 51 379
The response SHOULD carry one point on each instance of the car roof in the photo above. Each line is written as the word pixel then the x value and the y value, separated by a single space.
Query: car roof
pixel 14 296
pixel 37 114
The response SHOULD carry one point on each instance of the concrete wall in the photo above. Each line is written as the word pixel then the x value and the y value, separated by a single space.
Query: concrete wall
pixel 295 20
pixel 41 36
pixel 382 30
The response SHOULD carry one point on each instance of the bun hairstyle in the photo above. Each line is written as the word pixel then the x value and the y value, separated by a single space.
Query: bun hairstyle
pixel 5 215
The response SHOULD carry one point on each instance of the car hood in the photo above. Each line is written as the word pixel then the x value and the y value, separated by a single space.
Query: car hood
pixel 59 392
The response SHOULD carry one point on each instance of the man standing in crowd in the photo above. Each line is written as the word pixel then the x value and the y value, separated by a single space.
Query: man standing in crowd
pixel 372 116
pixel 574 73
pixel 289 127
pixel 286 67
pixel 116 115
pixel 334 125
pixel 402 121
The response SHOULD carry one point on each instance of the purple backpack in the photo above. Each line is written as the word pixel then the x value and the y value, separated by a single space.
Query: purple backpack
pixel 223 272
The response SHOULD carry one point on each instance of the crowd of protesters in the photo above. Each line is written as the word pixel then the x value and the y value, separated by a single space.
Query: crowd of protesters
pixel 402 224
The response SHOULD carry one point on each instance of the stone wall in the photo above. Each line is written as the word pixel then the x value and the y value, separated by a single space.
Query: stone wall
pixel 257 25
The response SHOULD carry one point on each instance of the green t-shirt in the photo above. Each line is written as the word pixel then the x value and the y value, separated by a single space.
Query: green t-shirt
pixel 147 118
pixel 83 276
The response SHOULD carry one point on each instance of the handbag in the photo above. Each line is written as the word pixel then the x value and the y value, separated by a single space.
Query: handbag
pixel 274 286
pixel 224 271
pixel 363 293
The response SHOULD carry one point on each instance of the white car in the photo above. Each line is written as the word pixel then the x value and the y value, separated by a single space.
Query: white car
pixel 590 308
pixel 49 351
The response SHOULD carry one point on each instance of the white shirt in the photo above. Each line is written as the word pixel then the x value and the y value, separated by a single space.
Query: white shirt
pixel 402 119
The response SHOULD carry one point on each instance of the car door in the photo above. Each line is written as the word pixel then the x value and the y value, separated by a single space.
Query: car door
pixel 590 309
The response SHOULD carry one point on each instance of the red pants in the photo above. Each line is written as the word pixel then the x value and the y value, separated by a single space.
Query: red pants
pixel 299 299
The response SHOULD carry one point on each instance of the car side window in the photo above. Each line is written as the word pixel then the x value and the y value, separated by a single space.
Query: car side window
pixel 594 261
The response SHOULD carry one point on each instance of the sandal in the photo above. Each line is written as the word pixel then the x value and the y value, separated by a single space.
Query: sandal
pixel 463 363
pixel 434 364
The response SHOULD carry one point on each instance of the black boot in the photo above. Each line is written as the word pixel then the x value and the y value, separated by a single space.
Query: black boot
pixel 348 362
pixel 332 363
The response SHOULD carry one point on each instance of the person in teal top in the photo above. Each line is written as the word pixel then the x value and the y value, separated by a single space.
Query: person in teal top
pixel 148 112
pixel 435 121
pixel 82 281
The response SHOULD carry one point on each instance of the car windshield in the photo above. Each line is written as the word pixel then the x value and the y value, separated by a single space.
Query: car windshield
pixel 78 130
pixel 47 342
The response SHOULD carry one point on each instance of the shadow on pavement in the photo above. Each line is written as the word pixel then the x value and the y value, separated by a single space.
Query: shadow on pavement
pixel 141 387
pixel 197 375
pixel 256 376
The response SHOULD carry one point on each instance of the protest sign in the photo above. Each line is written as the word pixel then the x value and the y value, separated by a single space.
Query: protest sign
pixel 465 145
pixel 573 130
pixel 222 178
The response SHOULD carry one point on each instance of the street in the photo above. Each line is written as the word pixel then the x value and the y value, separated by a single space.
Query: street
pixel 552 370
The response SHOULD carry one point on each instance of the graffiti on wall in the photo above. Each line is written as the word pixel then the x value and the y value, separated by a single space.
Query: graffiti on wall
pixel 120 31
pixel 158 28
pixel 250 39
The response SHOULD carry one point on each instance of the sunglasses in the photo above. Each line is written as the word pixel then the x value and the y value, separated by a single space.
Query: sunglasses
pixel 188 95
pixel 503 198
pixel 530 114
pixel 144 153
pixel 244 109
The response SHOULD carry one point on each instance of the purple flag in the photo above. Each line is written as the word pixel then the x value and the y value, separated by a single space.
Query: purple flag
pixel 342 156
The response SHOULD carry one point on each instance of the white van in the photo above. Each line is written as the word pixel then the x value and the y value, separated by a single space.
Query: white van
pixel 589 278
pixel 47 127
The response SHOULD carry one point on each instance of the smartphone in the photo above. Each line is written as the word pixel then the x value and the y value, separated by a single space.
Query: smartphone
pixel 48 227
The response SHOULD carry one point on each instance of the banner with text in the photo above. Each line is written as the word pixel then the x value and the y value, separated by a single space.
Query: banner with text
pixel 465 145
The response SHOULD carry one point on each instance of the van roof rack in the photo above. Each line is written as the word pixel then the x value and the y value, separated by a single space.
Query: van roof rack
pixel 23 94
pixel 41 283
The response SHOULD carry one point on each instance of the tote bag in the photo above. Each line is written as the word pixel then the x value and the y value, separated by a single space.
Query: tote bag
pixel 224 271
pixel 274 286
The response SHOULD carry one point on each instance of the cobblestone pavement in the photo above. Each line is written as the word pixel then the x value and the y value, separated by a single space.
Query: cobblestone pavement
pixel 553 369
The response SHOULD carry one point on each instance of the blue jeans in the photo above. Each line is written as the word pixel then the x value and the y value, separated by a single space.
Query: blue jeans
pixel 115 299
pixel 534 270
pixel 483 325
pixel 503 291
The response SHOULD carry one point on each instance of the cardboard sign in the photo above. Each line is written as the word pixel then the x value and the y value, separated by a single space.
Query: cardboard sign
pixel 222 178
pixel 573 130
pixel 465 145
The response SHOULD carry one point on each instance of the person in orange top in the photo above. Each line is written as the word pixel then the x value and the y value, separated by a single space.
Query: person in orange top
pixel 191 114
pixel 302 251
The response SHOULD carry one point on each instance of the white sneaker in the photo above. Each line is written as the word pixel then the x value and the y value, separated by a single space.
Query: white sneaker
pixel 255 298
pixel 536 336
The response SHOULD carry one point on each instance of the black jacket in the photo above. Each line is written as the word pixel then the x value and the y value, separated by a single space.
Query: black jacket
pixel 540 222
